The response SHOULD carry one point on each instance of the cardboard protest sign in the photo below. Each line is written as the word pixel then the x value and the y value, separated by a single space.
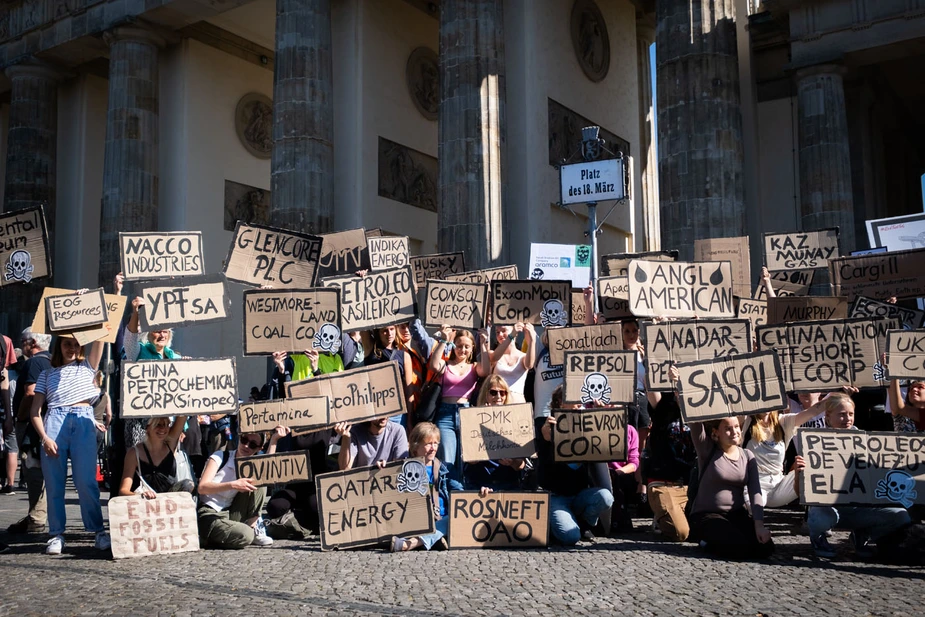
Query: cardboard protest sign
pixel 438 266
pixel 183 302
pixel 819 356
pixel 493 433
pixel 853 467
pixel 806 308
pixel 866 307
pixel 179 387
pixel 72 311
pixel 140 527
pixel 603 337
pixel 736 252
pixel 756 311
pixel 261 255
pixel 905 354
pixel 376 300
pixel 787 283
pixel 689 340
pixel 461 305
pixel 357 395
pixel 24 250
pixel 107 332
pixel 368 505
pixel 605 376
pixel 618 264
pixel 502 519
pixel 900 274
pixel 503 273
pixel 147 255
pixel 270 469
pixel 376 232
pixel 679 289
pixel 589 435
pixel 613 297
pixel 387 252
pixel 545 303
pixel 800 249
pixel 578 306
pixel 343 252
pixel 560 262
pixel 735 385
pixel 293 413
pixel 291 320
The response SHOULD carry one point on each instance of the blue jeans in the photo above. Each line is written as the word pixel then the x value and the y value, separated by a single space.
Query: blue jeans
pixel 874 521
pixel 74 431
pixel 566 511
pixel 447 420
pixel 441 529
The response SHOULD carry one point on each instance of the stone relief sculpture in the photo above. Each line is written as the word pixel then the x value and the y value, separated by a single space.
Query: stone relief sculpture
pixel 407 175
pixel 422 73
pixel 590 39
pixel 253 121
pixel 245 203
pixel 565 135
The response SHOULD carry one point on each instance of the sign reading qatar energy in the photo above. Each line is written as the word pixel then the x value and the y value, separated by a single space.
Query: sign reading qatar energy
pixel 679 289
pixel 179 387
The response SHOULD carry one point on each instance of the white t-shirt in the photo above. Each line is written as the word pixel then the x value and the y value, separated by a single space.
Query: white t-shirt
pixel 770 454
pixel 546 378
pixel 68 384
pixel 228 473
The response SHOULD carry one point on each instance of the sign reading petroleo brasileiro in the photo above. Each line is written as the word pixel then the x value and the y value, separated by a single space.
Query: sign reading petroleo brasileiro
pixel 591 181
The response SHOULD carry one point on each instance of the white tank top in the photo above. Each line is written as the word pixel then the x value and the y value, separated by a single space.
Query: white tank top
pixel 515 376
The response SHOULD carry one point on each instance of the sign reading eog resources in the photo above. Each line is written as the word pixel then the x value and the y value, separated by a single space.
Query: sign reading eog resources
pixel 591 181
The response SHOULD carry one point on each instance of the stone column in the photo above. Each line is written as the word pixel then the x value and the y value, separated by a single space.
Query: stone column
pixel 470 132
pixel 302 163
pixel 645 36
pixel 130 163
pixel 826 198
pixel 701 183
pixel 30 171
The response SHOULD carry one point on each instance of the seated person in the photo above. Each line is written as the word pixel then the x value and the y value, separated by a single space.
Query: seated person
pixel 506 474
pixel 292 511
pixel 623 475
pixel 229 507
pixel 160 445
pixel 376 442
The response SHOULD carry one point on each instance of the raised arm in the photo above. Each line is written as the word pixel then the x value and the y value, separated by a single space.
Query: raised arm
pixel 529 359
pixel 483 368
pixel 766 281
pixel 898 406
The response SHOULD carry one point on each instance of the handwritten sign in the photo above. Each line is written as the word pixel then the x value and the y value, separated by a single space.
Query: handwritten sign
pixel 787 283
pixel 367 506
pixel 589 435
pixel 905 354
pixel 294 413
pixel 866 307
pixel 503 519
pixel 73 310
pixel 618 264
pixel 261 255
pixel 164 525
pixel 107 332
pixel 493 433
pixel 437 266
pixel 191 300
pixel 613 293
pixel 756 311
pixel 853 467
pixel 578 306
pixel 900 274
pixel 604 376
pixel 679 289
pixel 503 273
pixel 24 252
pixel 670 342
pixel 603 337
pixel 736 252
pixel 290 320
pixel 376 300
pixel 179 388
pixel 737 385
pixel 545 303
pixel 343 252
pixel 807 308
pixel 461 305
pixel 270 469
pixel 387 252
pixel 800 249
pixel 147 255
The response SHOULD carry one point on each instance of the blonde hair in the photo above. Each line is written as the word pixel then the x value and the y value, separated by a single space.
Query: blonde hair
pixel 420 434
pixel 493 381
pixel 757 433
pixel 465 334
pixel 834 402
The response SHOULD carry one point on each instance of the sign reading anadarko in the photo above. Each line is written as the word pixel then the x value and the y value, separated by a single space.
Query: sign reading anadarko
pixel 603 376
pixel 604 337
pixel 900 274
pixel 291 320
pixel 734 385
pixel 262 255
pixel 160 255
pixel 800 249
pixel 24 252
pixel 376 300
pixel 499 520
pixel 545 303
pixel 679 289
pixel 184 387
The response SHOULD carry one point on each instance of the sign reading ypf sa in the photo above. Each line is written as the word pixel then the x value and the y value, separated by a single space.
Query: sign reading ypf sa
pixel 592 181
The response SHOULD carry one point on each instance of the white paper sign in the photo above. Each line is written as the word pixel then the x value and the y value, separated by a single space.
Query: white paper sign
pixel 591 181
pixel 561 262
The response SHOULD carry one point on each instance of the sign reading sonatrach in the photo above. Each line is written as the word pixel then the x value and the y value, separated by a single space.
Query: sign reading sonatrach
pixel 461 305
pixel 604 337
pixel 291 320
pixel 800 250
pixel 186 301
pixel 603 376
pixel 73 311
pixel 270 469
pixel 905 354
pixel 147 255
pixel 179 388
pixel 499 520
pixel 261 255
pixel 680 289
pixel 735 385
pixel 376 300
pixel 493 433
pixel 387 252
pixel 590 435
pixel 164 525
pixel 545 303
pixel 294 413
pixel 881 276
pixel 24 252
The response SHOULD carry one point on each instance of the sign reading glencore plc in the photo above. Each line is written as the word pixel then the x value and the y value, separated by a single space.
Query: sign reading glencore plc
pixel 591 181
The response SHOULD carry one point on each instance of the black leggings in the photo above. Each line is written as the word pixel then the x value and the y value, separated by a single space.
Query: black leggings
pixel 729 534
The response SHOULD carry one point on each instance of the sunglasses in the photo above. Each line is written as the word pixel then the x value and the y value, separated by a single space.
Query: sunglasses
pixel 253 445
pixel 497 392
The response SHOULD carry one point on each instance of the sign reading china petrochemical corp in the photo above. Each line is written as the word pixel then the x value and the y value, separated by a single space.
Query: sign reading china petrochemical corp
pixel 591 181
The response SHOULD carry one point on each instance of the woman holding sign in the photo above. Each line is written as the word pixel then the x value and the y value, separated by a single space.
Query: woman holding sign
pixel 511 363
pixel 140 470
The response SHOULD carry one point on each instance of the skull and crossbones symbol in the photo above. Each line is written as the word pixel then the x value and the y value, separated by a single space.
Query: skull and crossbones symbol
pixel 595 388
pixel 553 314
pixel 412 477
pixel 19 267
pixel 897 486
pixel 537 274
pixel 327 338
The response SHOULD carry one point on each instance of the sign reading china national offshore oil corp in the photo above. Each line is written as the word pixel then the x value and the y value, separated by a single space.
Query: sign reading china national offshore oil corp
pixel 461 305
pixel 376 300
pixel 681 289
pixel 545 303
pixel 279 468
pixel 800 250
pixel 589 435
pixel 164 525
pixel 884 275
pixel 591 181
pixel 603 337
pixel 24 253
pixel 905 354
pixel 503 519
pixel 291 320
pixel 184 387
pixel 818 356
pixel 603 377
pixel 160 255
pixel 670 342
pixel 280 258
pixel 294 413
pixel 184 301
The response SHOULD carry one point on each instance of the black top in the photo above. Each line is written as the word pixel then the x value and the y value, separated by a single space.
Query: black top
pixel 159 477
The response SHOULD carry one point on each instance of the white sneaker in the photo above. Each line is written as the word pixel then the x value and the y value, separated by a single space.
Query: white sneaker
pixel 54 546
pixel 103 542
pixel 260 534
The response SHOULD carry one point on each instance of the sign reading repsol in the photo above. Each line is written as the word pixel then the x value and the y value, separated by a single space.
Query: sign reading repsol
pixel 603 376
pixel 499 520
pixel 179 387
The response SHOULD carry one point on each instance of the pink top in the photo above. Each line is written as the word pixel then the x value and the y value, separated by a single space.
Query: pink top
pixel 632 450
pixel 459 387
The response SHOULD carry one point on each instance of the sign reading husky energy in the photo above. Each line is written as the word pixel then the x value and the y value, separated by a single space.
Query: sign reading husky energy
pixel 24 254
pixel 905 354
pixel 679 289
pixel 884 275
pixel 800 250
pixel 261 255
pixel 603 337
pixel 734 385
pixel 437 266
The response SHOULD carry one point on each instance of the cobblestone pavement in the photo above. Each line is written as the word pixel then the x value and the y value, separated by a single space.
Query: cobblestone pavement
pixel 632 575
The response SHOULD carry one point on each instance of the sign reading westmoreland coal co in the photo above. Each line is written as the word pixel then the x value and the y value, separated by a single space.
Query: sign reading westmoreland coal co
pixel 499 520
pixel 294 413
pixel 679 289
pixel 262 255
pixel 800 250
pixel 545 303
pixel 161 526
pixel 183 302
pixel 24 253
pixel 184 387
pixel 368 505
pixel 270 469
pixel 905 354
pixel 160 255
pixel 870 469
pixel 290 320
pixel 605 337
pixel 376 300
pixel 592 435
pixel 603 376
pixel 670 342
pixel 900 274
pixel 461 305
pixel 591 181
pixel 735 385
pixel 819 356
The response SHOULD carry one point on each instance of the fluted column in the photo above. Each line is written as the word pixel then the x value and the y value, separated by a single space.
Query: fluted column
pixel 645 36
pixel 302 163
pixel 470 131
pixel 130 163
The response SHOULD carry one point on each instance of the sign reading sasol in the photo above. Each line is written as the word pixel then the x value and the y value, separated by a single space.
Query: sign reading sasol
pixel 594 181
pixel 744 384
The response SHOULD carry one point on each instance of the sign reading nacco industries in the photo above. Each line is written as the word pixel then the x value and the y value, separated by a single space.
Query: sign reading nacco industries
pixel 591 181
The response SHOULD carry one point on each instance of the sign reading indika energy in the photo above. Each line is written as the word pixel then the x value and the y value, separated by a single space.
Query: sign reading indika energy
pixel 591 181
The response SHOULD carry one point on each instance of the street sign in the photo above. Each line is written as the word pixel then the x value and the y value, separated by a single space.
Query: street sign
pixel 591 181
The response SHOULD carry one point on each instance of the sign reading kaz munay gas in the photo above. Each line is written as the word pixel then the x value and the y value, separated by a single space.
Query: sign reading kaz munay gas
pixel 679 289
pixel 800 249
